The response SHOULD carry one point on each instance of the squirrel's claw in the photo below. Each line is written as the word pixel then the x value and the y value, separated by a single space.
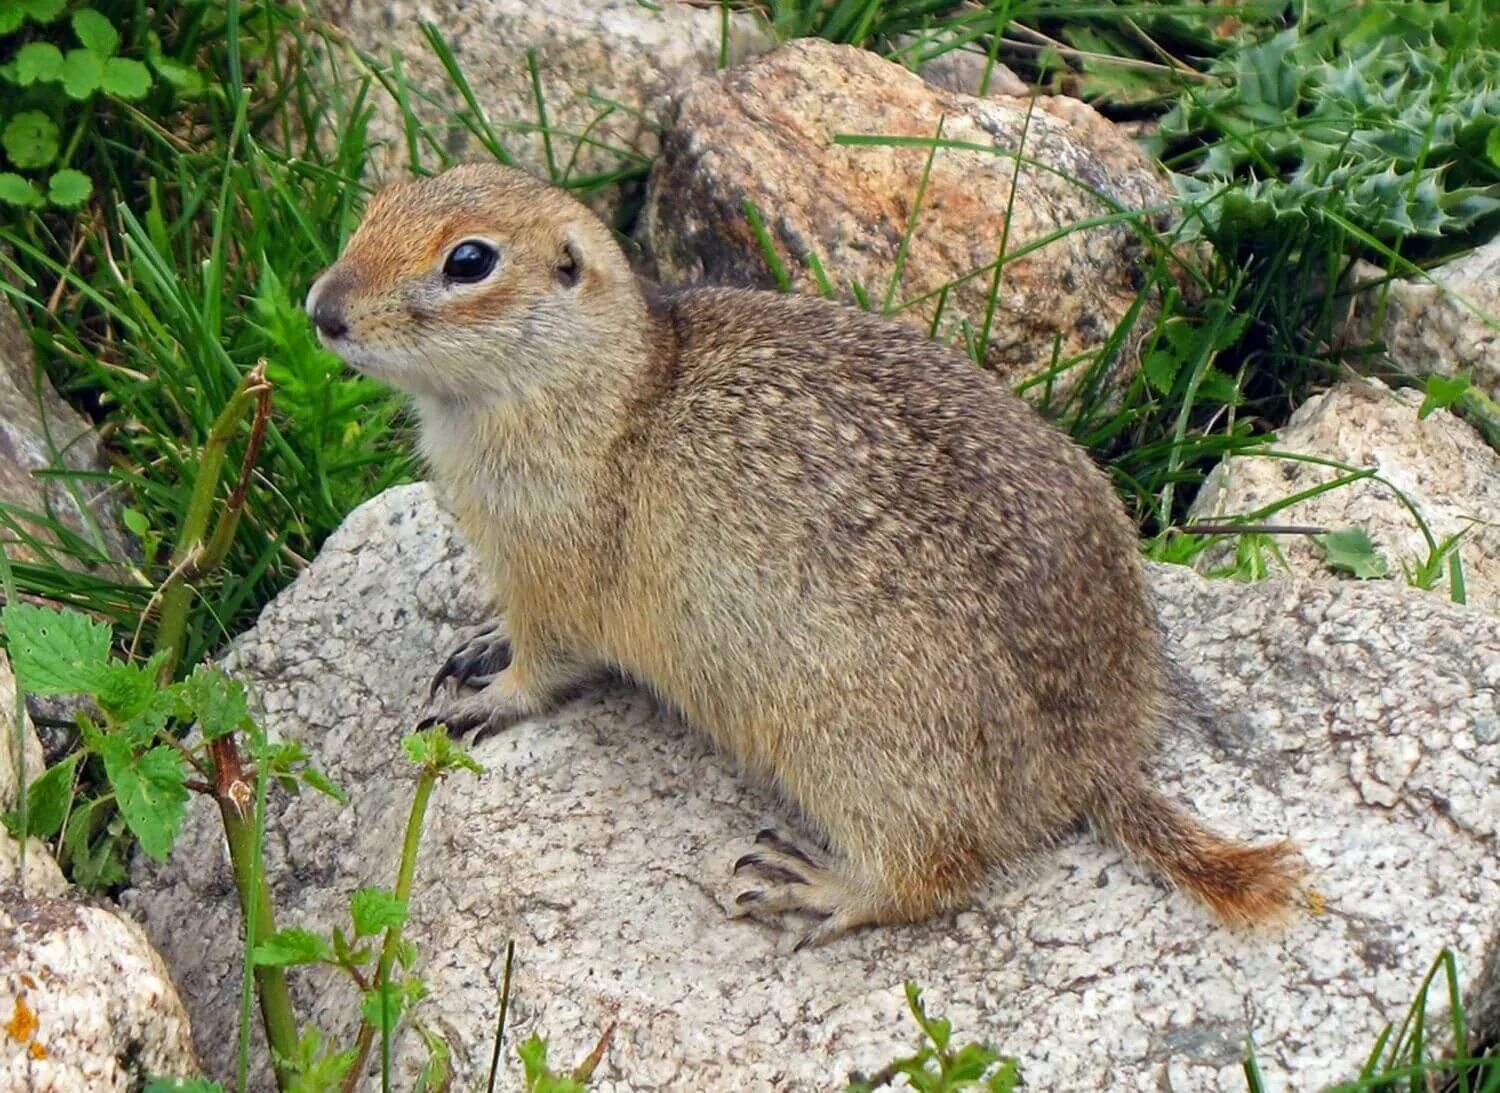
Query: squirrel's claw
pixel 477 661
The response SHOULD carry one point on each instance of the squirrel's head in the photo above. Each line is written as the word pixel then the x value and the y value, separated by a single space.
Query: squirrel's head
pixel 481 282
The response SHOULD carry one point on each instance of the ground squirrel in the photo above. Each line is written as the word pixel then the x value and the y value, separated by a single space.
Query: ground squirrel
pixel 842 550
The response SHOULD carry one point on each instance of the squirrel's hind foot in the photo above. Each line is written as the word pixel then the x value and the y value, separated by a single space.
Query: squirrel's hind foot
pixel 790 879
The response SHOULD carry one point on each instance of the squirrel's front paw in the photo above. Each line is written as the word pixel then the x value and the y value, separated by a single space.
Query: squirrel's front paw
pixel 478 660
pixel 498 706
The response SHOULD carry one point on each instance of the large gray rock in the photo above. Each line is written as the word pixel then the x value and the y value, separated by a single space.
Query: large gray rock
pixel 1442 466
pixel 40 432
pixel 21 762
pixel 600 840
pixel 765 135
pixel 85 1002
pixel 1445 323
pixel 604 67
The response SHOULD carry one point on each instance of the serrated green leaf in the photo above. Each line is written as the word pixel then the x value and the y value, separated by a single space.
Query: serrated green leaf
pixel 30 139
pixel 1350 550
pixel 319 781
pixel 82 73
pixel 95 33
pixel 48 798
pixel 55 652
pixel 15 190
pixel 126 691
pixel 374 910
pixel 69 188
pixel 398 998
pixel 292 946
pixel 38 62
pixel 434 748
pixel 1160 368
pixel 217 701
pixel 1218 387
pixel 150 791
pixel 126 79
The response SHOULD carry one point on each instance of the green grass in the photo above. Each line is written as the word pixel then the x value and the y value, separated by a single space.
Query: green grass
pixel 188 268
pixel 154 291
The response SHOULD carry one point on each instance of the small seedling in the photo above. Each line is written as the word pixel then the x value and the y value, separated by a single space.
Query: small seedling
pixel 937 1067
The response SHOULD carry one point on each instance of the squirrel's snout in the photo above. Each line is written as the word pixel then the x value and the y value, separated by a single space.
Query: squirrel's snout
pixel 326 303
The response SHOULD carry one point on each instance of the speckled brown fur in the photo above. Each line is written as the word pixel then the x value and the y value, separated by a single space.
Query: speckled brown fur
pixel 852 558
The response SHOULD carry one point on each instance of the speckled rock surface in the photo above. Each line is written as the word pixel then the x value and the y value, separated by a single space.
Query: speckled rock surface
pixel 1448 324
pixel 42 874
pixel 39 431
pixel 1441 464
pixel 601 839
pixel 604 67
pixel 765 132
pixel 85 1003
pixel 966 70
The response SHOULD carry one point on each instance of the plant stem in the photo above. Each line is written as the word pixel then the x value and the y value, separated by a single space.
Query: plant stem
pixel 236 797
pixel 404 875
pixel 189 558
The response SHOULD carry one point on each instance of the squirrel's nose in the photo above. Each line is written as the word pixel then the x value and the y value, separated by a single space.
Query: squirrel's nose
pixel 325 303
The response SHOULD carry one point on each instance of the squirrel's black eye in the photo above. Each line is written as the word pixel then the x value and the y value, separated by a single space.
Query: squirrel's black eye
pixel 470 261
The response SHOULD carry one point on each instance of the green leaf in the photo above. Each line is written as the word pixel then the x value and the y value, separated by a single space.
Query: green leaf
pixel 38 61
pixel 55 652
pixel 69 188
pixel 1492 146
pixel 218 702
pixel 126 79
pixel 151 792
pixel 82 73
pixel 48 798
pixel 390 1000
pixel 1161 367
pixel 374 910
pixel 1218 387
pixel 185 78
pixel 95 33
pixel 182 1085
pixel 1442 392
pixel 1350 550
pixel 135 521
pixel 92 844
pixel 11 17
pixel 30 139
pixel 319 781
pixel 15 190
pixel 538 1074
pixel 315 1069
pixel 292 946
pixel 433 748
pixel 43 11
pixel 126 691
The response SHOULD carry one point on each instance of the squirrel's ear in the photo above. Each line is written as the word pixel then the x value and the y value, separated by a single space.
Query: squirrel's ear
pixel 569 266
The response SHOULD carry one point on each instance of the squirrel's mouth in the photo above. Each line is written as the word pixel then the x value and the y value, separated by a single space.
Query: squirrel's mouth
pixel 358 356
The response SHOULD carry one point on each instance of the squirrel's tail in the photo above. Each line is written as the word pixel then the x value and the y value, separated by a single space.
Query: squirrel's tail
pixel 1240 883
